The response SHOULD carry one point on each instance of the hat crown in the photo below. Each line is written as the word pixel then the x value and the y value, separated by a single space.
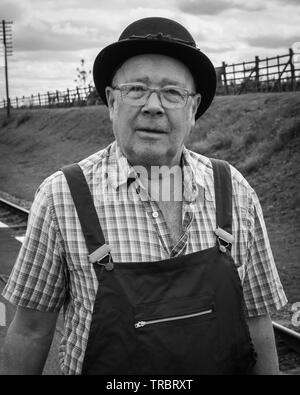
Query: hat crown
pixel 156 28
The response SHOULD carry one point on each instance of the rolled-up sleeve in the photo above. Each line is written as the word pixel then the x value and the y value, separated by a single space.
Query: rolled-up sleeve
pixel 37 280
pixel 263 291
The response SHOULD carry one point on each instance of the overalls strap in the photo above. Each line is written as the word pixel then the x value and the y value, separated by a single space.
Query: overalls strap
pixel 84 206
pixel 223 194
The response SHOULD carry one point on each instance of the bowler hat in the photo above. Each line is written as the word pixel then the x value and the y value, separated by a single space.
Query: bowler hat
pixel 161 36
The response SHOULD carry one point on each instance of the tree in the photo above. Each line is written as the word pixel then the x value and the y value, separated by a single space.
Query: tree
pixel 83 76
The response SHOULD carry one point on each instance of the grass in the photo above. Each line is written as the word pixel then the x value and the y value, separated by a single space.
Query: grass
pixel 248 135
pixel 17 119
pixel 6 121
pixel 23 118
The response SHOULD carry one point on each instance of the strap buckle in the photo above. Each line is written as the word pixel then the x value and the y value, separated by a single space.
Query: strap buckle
pixel 225 237
pixel 100 253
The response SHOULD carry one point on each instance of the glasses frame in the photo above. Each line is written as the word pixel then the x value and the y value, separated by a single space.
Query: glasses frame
pixel 121 88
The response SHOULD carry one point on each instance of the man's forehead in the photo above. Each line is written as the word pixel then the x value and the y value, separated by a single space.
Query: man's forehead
pixel 142 68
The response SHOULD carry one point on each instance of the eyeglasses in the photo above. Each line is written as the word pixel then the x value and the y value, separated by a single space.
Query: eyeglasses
pixel 136 94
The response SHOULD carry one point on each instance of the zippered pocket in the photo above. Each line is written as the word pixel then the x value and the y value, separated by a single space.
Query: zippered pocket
pixel 141 324
pixel 176 334
pixel 177 311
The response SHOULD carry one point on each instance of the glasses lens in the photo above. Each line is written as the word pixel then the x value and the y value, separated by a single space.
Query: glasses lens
pixel 134 92
pixel 173 96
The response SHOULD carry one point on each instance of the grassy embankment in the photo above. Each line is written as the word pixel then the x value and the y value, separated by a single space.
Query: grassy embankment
pixel 258 133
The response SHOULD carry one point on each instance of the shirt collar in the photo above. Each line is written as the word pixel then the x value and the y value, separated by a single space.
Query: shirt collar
pixel 121 172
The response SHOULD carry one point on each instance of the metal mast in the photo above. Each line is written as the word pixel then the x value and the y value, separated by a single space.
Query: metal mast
pixel 6 38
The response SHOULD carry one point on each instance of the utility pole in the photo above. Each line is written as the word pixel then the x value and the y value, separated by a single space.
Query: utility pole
pixel 6 38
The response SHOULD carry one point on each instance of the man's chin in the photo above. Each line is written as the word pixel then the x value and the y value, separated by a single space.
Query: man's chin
pixel 150 155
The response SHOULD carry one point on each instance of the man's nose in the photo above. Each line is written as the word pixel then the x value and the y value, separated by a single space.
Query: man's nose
pixel 153 105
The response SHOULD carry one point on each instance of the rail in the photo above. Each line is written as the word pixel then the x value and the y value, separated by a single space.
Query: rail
pixel 291 338
pixel 13 205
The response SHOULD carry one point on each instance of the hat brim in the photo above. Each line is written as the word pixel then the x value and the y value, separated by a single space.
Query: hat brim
pixel 111 57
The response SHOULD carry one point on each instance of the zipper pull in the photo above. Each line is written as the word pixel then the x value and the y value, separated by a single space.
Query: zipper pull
pixel 140 324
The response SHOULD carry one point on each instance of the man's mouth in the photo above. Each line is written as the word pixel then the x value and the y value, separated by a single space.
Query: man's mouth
pixel 150 130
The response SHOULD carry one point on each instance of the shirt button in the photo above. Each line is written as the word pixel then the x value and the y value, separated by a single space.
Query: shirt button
pixel 155 214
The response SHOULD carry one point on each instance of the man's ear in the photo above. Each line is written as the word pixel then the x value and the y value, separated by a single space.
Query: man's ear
pixel 195 104
pixel 111 101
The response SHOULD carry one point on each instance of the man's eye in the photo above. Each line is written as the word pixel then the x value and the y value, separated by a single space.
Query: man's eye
pixel 136 89
pixel 173 93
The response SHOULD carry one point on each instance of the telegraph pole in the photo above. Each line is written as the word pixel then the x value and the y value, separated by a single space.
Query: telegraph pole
pixel 6 37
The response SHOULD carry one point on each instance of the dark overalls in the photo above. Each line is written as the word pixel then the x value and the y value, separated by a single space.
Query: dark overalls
pixel 183 315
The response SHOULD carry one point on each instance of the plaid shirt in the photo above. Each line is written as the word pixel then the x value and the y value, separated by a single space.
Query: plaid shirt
pixel 52 269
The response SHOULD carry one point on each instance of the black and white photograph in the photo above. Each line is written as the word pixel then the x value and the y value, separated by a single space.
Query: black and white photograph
pixel 149 190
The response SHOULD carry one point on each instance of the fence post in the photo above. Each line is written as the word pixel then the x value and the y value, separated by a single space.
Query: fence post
pixel 49 99
pixel 78 93
pixel 68 95
pixel 244 71
pixel 39 97
pixel 225 77
pixel 17 102
pixel 279 76
pixel 233 73
pixel 291 60
pixel 256 69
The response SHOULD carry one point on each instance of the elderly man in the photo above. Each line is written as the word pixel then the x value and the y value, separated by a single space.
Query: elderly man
pixel 159 256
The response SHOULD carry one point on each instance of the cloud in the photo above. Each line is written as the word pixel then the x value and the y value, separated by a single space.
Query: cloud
pixel 291 2
pixel 58 37
pixel 209 49
pixel 208 7
pixel 272 41
pixel 14 10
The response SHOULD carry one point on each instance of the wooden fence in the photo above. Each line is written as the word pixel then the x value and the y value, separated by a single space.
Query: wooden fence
pixel 277 74
pixel 70 97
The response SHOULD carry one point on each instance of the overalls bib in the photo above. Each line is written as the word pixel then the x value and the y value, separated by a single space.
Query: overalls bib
pixel 183 315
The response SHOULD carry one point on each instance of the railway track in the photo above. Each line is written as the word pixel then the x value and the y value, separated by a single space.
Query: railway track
pixel 13 215
pixel 287 340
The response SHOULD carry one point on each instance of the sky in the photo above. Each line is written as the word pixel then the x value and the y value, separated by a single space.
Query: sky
pixel 50 37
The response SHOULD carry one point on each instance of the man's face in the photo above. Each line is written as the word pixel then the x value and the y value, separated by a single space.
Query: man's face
pixel 151 134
